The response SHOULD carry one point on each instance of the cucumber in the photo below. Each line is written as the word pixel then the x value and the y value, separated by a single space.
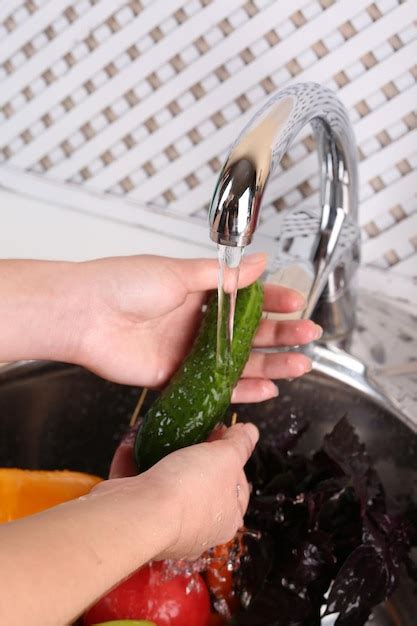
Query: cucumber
pixel 198 395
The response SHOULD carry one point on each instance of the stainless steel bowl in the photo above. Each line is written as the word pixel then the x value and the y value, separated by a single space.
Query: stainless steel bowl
pixel 55 416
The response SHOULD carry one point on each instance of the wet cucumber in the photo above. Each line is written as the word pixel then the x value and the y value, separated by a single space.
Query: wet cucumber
pixel 199 393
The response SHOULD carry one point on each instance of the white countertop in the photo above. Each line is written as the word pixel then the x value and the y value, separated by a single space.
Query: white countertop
pixel 32 228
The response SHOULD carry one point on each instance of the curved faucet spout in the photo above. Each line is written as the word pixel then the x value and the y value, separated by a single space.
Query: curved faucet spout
pixel 237 199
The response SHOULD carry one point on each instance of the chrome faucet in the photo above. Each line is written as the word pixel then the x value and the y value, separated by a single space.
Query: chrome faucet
pixel 331 240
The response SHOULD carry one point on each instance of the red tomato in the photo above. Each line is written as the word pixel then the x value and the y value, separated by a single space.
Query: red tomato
pixel 147 594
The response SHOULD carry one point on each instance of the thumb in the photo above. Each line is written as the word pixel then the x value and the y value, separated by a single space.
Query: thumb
pixel 202 274
pixel 243 437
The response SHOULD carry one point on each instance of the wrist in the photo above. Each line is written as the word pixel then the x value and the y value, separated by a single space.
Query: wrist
pixel 173 513
pixel 40 318
pixel 106 535
pixel 144 509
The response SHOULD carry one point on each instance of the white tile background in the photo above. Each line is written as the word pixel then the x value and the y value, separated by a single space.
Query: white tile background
pixel 140 99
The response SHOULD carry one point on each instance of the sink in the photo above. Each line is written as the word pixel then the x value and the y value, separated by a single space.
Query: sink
pixel 57 416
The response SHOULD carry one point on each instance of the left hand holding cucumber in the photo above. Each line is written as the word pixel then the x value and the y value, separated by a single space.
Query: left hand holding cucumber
pixel 140 316
pixel 133 319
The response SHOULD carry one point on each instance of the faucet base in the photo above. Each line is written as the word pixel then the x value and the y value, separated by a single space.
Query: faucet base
pixel 337 317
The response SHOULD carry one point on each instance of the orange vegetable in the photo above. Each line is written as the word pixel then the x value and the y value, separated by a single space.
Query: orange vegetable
pixel 218 577
pixel 24 492
pixel 219 574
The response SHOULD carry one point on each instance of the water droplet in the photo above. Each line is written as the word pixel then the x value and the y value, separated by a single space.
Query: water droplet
pixel 245 598
pixel 222 608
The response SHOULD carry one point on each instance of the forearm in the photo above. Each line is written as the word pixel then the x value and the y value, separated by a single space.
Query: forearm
pixel 39 318
pixel 59 562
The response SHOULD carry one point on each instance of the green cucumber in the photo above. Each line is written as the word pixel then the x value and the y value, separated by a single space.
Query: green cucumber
pixel 198 395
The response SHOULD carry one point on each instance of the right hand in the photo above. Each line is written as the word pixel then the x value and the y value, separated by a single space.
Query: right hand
pixel 150 305
pixel 205 486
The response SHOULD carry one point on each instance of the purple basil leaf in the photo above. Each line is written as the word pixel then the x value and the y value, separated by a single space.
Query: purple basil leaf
pixel 343 447
pixel 357 619
pixel 322 518
pixel 317 497
pixel 311 562
pixel 411 567
pixel 360 584
pixel 284 483
pixel 390 537
pixel 265 463
pixel 324 467
pixel 411 514
pixel 255 566
pixel 291 428
pixel 278 606
pixel 340 517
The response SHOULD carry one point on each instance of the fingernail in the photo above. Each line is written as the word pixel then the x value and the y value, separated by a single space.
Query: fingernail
pixel 269 392
pixel 303 367
pixel 319 331
pixel 255 259
pixel 253 432
pixel 299 301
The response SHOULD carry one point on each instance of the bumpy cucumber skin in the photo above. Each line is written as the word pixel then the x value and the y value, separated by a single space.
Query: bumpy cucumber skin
pixel 199 393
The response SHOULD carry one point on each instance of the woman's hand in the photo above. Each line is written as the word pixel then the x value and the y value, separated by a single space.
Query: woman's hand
pixel 204 487
pixel 133 319
pixel 142 314
pixel 191 500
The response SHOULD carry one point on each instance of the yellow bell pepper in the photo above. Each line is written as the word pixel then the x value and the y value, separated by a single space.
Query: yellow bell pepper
pixel 25 492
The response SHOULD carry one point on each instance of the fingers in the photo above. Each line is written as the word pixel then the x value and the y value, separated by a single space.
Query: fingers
pixel 243 439
pixel 289 333
pixel 123 463
pixel 276 365
pixel 243 495
pixel 278 299
pixel 251 268
pixel 254 390
pixel 202 274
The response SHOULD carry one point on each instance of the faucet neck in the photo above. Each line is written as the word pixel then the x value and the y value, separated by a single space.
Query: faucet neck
pixel 237 200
